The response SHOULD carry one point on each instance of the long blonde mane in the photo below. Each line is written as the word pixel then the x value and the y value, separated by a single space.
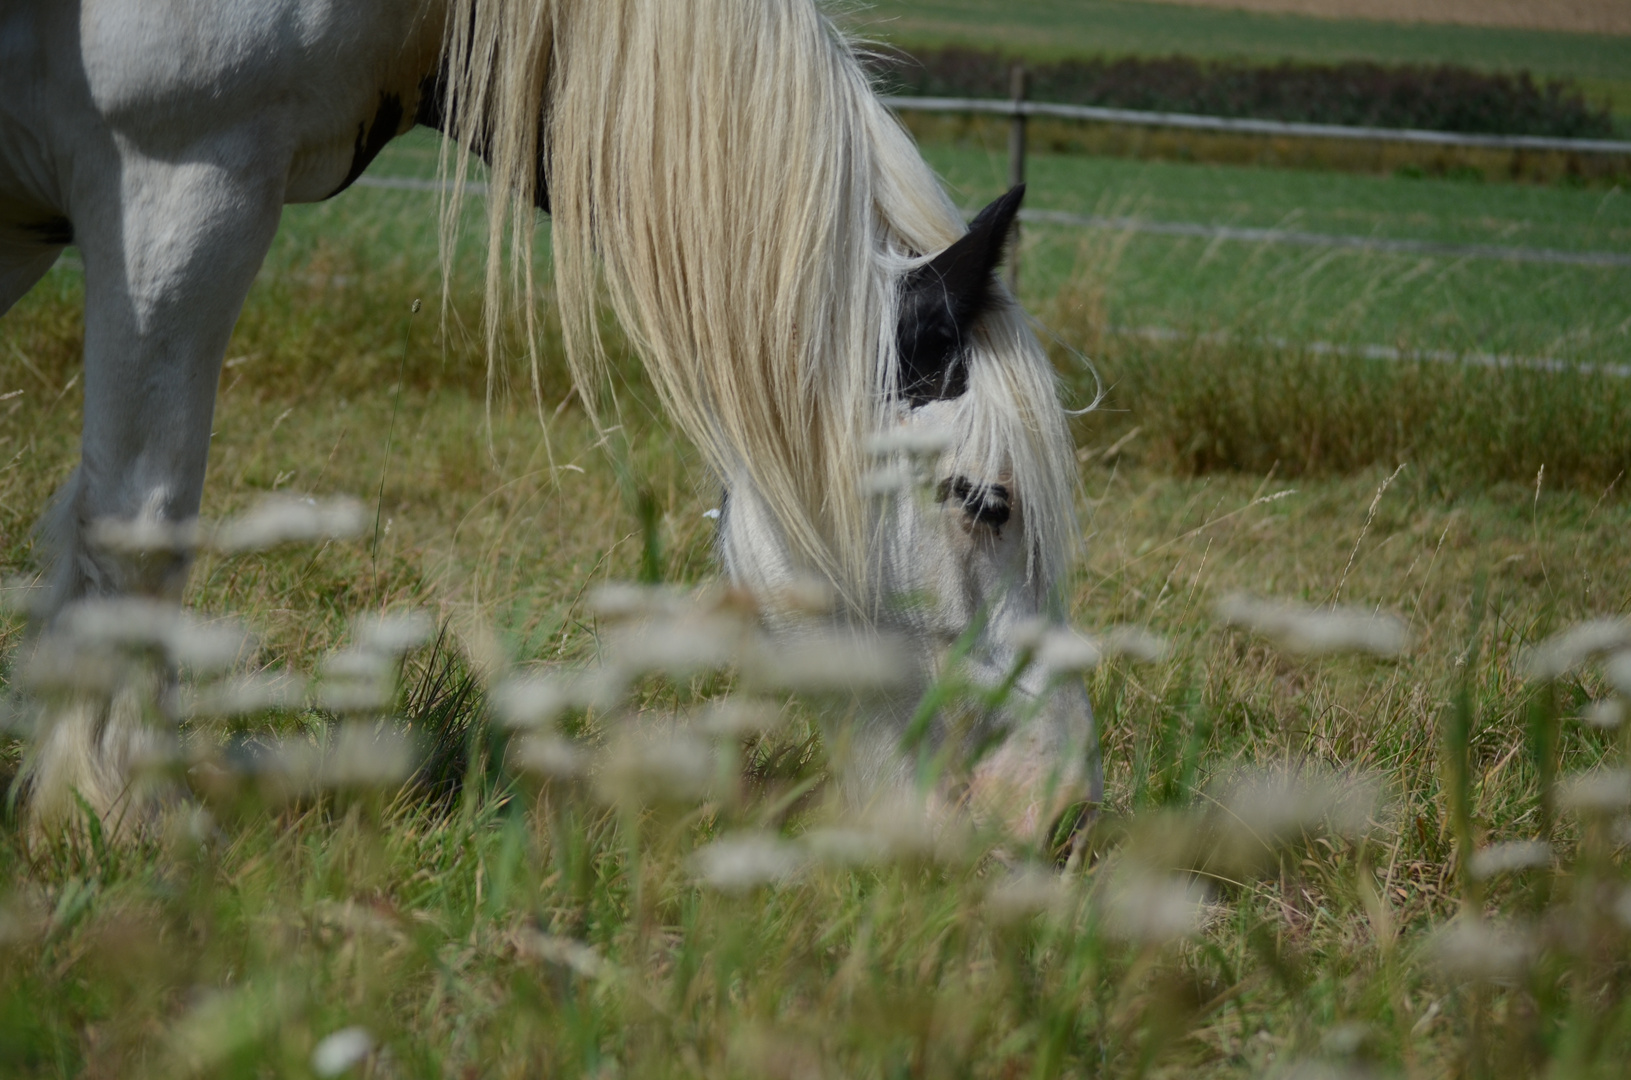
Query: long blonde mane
pixel 722 173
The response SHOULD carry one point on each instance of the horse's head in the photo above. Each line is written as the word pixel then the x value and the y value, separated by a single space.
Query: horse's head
pixel 965 529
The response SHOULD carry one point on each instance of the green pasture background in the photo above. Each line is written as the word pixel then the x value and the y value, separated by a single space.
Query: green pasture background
pixel 1053 29
pixel 1485 506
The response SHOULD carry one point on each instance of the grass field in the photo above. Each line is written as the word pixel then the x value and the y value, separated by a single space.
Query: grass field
pixel 1471 304
pixel 1050 29
pixel 540 932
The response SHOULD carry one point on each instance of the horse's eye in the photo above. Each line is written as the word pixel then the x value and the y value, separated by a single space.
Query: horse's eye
pixel 987 504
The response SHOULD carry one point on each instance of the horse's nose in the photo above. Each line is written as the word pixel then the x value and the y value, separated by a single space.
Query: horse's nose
pixel 1047 766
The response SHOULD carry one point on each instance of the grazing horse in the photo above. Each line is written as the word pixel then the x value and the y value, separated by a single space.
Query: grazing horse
pixel 719 171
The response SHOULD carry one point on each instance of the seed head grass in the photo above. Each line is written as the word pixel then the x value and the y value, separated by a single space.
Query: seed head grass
pixel 423 821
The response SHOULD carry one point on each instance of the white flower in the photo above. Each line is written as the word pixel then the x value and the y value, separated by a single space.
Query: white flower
pixel 395 634
pixel 832 661
pixel 574 955
pixel 676 646
pixel 1562 653
pixel 1609 713
pixel 913 441
pixel 741 862
pixel 890 480
pixel 341 1051
pixel 291 519
pixel 531 701
pixel 1475 949
pixel 739 718
pixel 144 535
pixel 1134 643
pixel 207 647
pixel 843 848
pixel 1508 856
pixel 1599 791
pixel 360 756
pixel 1310 631
pixel 551 757
pixel 1617 671
pixel 626 600
pixel 59 665
pixel 246 695
pixel 136 623
pixel 1026 893
pixel 1272 807
pixel 1149 908
pixel 1063 651
pixel 357 681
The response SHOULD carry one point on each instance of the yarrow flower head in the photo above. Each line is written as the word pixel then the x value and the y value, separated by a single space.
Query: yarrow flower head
pixel 1311 631
pixel 740 862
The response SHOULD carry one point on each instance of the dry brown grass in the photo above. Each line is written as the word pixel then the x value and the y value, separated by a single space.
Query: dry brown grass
pixel 1570 16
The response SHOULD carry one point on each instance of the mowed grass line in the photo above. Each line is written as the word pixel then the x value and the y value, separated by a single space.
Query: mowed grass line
pixel 234 952
pixel 1052 29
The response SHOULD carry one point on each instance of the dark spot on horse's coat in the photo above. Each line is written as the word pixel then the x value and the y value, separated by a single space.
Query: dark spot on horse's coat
pixel 987 504
pixel 371 139
pixel 432 113
pixel 56 232
pixel 941 301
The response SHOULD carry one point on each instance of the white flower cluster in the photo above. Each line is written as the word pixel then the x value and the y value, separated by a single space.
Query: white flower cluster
pixel 1315 631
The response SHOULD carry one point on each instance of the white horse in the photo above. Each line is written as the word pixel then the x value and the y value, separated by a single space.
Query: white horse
pixel 719 170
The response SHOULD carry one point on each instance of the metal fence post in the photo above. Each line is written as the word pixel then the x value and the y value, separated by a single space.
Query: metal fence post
pixel 1016 160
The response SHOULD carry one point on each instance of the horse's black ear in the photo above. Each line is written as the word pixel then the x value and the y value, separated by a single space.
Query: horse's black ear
pixel 941 300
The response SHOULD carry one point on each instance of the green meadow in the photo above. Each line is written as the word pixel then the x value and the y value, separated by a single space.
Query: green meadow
pixel 538 923
pixel 1051 29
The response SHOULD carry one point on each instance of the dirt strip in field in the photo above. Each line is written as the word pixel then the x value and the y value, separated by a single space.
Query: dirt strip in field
pixel 1570 16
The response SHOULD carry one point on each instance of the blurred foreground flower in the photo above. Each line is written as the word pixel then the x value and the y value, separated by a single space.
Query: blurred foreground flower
pixel 740 862
pixel 139 624
pixel 1603 714
pixel 1026 893
pixel 1260 812
pixel 341 1050
pixel 357 755
pixel 739 718
pixel 845 848
pixel 824 661
pixel 291 519
pixel 1511 855
pixel 887 481
pixel 248 695
pixel 145 535
pixel 1152 908
pixel 1587 641
pixel 394 634
pixel 1064 649
pixel 1311 631
pixel 575 956
pixel 676 645
pixel 357 681
pixel 1598 792
pixel 1473 949
pixel 550 757
pixel 913 442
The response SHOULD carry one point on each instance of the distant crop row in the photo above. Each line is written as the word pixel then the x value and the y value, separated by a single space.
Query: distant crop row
pixel 1444 97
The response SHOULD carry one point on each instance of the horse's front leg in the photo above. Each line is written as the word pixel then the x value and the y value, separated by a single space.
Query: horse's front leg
pixel 170 248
